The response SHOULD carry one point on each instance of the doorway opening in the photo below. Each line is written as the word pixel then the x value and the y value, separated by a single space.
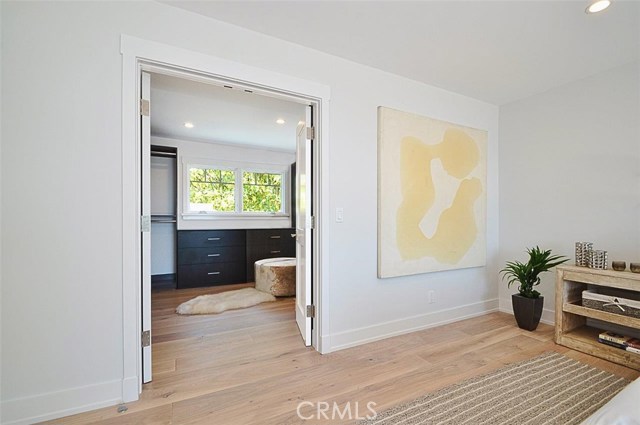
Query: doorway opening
pixel 140 55
pixel 236 184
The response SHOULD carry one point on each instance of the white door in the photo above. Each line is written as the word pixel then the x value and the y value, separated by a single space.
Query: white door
pixel 303 226
pixel 145 214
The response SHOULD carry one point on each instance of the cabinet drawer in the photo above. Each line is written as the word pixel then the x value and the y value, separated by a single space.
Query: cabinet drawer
pixel 214 254
pixel 192 276
pixel 268 236
pixel 207 238
pixel 271 250
pixel 256 253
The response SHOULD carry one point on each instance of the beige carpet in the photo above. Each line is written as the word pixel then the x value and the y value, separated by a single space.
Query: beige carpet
pixel 549 389
pixel 229 300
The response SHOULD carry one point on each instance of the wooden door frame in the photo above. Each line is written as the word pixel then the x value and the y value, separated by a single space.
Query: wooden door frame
pixel 139 54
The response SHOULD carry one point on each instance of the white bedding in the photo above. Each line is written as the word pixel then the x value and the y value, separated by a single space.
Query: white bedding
pixel 623 409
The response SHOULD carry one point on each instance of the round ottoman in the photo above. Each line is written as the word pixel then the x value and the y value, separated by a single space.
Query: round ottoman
pixel 276 276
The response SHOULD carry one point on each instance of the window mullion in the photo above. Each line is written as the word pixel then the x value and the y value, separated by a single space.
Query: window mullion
pixel 283 189
pixel 239 190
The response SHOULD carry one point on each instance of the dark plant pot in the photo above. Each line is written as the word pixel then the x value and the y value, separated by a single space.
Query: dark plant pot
pixel 528 311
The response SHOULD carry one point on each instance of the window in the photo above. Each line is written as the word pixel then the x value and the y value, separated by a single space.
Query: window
pixel 261 192
pixel 242 190
pixel 212 189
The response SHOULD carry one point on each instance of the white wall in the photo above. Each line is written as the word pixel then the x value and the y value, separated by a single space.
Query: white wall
pixel 162 180
pixel 163 249
pixel 1 179
pixel 163 201
pixel 62 317
pixel 570 171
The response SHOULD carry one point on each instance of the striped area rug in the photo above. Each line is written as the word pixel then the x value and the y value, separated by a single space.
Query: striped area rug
pixel 549 389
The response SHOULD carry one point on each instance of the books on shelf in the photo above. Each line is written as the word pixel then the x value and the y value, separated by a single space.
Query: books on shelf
pixel 633 345
pixel 614 337
pixel 634 342
pixel 611 343
pixel 620 341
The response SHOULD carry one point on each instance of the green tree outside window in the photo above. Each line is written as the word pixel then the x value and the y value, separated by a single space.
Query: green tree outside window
pixel 213 187
pixel 214 190
pixel 261 192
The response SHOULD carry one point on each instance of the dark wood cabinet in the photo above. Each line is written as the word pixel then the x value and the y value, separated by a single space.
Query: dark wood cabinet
pixel 209 238
pixel 195 275
pixel 220 257
pixel 215 254
pixel 268 243
pixel 211 257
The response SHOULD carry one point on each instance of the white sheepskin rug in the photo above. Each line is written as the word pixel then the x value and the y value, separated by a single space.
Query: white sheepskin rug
pixel 217 303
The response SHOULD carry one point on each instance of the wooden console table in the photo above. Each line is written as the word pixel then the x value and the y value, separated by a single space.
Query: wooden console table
pixel 571 317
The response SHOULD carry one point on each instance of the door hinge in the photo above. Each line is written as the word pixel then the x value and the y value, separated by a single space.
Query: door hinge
pixel 146 338
pixel 311 133
pixel 313 222
pixel 145 223
pixel 311 311
pixel 144 107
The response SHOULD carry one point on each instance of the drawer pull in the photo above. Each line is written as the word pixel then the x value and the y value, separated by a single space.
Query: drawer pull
pixel 213 273
pixel 213 239
pixel 274 237
pixel 213 255
pixel 275 252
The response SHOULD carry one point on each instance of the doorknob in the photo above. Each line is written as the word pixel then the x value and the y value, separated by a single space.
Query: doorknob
pixel 293 235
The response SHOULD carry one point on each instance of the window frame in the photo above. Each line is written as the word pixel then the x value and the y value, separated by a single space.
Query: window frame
pixel 283 190
pixel 188 188
pixel 238 168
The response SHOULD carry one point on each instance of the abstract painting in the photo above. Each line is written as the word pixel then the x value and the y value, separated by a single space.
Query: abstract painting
pixel 431 194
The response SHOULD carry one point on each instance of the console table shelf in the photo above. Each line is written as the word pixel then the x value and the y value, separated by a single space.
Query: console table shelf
pixel 585 339
pixel 571 317
pixel 605 316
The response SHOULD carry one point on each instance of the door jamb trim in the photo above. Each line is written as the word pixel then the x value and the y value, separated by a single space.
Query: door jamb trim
pixel 138 53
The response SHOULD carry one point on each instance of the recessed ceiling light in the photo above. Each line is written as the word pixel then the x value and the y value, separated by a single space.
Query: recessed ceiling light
pixel 188 124
pixel 598 6
pixel 280 121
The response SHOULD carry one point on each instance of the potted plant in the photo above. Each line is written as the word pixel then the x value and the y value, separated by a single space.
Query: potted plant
pixel 527 303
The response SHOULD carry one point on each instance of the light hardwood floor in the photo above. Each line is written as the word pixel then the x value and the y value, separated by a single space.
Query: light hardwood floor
pixel 250 366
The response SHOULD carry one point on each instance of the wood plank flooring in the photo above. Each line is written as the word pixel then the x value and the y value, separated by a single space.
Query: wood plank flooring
pixel 250 366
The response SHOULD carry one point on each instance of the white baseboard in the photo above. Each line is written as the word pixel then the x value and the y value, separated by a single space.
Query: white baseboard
pixel 548 315
pixel 351 338
pixel 130 389
pixel 43 407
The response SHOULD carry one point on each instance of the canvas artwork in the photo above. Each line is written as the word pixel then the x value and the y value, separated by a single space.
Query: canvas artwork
pixel 431 194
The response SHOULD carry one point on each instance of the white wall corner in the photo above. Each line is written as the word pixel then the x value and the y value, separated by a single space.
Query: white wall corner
pixel 58 404
pixel 364 335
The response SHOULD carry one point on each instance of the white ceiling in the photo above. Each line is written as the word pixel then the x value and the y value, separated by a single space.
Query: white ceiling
pixel 222 115
pixel 496 51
